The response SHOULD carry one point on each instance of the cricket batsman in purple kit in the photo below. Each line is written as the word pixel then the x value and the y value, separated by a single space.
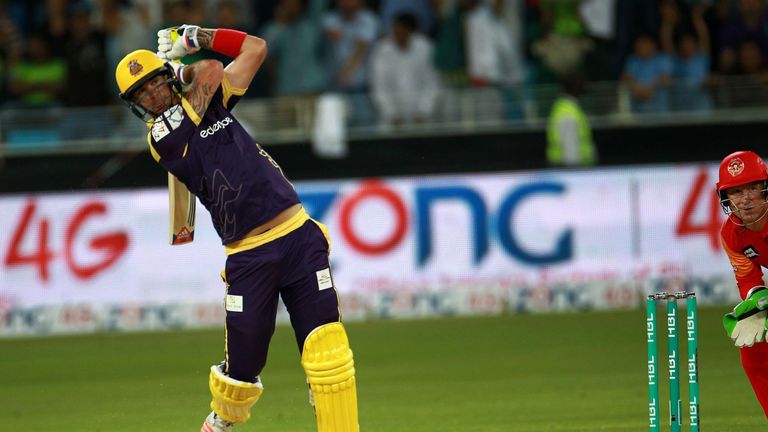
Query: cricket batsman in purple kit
pixel 273 247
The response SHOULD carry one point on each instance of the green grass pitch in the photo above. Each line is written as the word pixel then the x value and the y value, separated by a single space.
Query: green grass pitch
pixel 554 372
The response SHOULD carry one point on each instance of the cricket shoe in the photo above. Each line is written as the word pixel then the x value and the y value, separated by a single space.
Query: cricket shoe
pixel 214 423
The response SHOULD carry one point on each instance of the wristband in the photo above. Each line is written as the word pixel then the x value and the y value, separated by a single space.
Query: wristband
pixel 180 74
pixel 228 42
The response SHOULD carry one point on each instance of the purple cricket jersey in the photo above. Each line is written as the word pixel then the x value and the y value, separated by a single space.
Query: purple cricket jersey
pixel 233 177
pixel 243 187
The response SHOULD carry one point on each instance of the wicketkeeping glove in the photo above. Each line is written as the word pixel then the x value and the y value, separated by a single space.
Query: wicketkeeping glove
pixel 748 331
pixel 173 43
pixel 746 324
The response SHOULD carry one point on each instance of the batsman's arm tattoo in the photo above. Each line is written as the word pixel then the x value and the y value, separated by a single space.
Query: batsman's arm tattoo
pixel 206 76
pixel 200 98
pixel 205 37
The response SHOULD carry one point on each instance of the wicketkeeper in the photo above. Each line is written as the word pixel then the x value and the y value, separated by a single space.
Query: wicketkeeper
pixel 742 188
pixel 273 247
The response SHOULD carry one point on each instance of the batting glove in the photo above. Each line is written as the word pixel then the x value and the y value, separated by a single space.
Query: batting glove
pixel 173 43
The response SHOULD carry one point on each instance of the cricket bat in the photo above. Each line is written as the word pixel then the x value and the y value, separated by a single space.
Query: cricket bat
pixel 182 201
pixel 182 211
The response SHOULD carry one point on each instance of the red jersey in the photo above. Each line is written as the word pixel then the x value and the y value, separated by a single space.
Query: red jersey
pixel 748 252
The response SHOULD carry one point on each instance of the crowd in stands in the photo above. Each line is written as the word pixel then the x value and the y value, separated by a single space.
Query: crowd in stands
pixel 392 57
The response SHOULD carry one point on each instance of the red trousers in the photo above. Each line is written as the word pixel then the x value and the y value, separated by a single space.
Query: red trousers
pixel 754 360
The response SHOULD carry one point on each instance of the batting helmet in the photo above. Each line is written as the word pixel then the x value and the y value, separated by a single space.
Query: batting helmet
pixel 137 68
pixel 740 168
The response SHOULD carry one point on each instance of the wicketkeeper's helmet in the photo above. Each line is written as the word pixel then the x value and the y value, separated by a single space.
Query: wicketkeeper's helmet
pixel 738 169
pixel 137 68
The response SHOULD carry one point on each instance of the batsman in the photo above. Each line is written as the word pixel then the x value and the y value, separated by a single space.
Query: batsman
pixel 742 188
pixel 274 249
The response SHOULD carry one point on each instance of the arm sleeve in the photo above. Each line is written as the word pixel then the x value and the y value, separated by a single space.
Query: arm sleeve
pixel 748 275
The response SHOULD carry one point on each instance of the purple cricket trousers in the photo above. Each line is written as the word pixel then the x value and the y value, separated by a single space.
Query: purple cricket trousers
pixel 295 267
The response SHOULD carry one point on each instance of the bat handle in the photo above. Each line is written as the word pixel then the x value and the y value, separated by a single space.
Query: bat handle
pixel 174 36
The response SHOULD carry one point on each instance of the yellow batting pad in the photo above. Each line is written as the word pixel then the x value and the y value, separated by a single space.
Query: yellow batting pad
pixel 232 399
pixel 330 368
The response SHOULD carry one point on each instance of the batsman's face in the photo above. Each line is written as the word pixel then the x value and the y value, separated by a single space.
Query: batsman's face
pixel 748 201
pixel 155 95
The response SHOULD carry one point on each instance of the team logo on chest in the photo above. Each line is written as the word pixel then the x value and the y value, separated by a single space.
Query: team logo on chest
pixel 750 252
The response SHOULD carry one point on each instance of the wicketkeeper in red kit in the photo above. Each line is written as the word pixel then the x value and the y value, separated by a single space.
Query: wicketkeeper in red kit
pixel 274 249
pixel 742 188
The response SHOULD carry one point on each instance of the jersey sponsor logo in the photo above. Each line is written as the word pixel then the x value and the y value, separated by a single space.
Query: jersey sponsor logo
pixel 212 129
pixel 168 121
pixel 750 252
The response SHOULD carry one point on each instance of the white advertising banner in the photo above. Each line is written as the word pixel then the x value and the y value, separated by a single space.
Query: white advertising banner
pixel 520 232
pixel 102 248
pixel 412 246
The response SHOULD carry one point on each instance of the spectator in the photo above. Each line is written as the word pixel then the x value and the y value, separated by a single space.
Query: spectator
pixel 263 11
pixel 84 50
pixel 38 79
pixel 494 53
pixel 10 47
pixel 690 59
pixel 600 24
pixel 225 14
pixel 57 16
pixel 569 135
pixel 404 80
pixel 494 60
pixel 229 13
pixel 29 16
pixel 749 23
pixel 422 10
pixel 747 85
pixel 564 43
pixel 295 40
pixel 633 18
pixel 10 37
pixel 648 74
pixel 351 30
pixel 450 58
pixel 749 59
pixel 562 17
pixel 128 26
pixel 177 12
